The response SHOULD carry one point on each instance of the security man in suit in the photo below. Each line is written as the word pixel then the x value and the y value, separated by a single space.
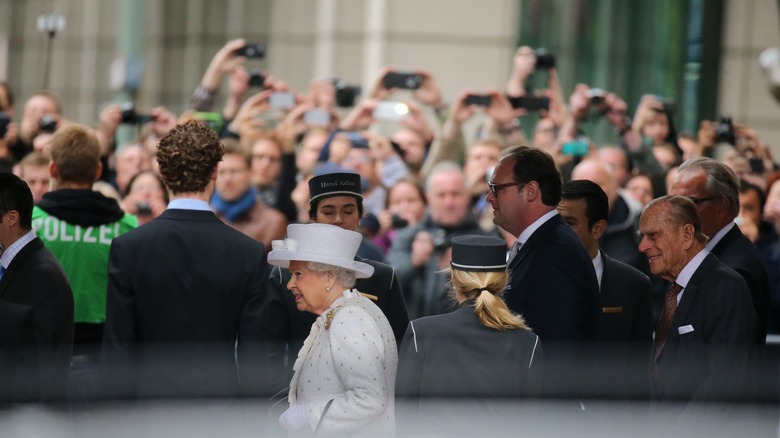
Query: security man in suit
pixel 553 284
pixel 625 321
pixel 704 340
pixel 714 188
pixel 336 199
pixel 184 291
pixel 31 278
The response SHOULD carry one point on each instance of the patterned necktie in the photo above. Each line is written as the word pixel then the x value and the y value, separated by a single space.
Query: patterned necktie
pixel 513 252
pixel 670 306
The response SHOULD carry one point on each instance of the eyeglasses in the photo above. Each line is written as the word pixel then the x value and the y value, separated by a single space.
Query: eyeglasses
pixel 698 201
pixel 495 188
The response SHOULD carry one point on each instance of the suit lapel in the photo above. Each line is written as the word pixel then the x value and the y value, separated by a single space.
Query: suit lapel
pixel 686 304
pixel 16 264
pixel 529 244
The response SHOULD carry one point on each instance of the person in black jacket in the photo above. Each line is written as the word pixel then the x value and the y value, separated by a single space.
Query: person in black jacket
pixel 460 355
pixel 31 280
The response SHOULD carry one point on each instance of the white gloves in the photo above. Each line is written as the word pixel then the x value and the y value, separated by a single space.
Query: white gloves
pixel 294 418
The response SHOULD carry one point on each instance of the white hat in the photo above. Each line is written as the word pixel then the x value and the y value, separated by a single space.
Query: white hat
pixel 320 243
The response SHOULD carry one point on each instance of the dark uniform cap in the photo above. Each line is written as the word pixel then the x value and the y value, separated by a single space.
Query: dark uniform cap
pixel 478 253
pixel 334 184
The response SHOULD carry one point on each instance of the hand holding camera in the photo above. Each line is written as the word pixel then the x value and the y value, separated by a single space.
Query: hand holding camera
pixel 428 92
pixel 224 61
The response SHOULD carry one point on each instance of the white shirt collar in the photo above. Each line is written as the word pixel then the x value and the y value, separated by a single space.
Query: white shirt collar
pixel 718 236
pixel 188 204
pixel 528 232
pixel 9 253
pixel 687 272
pixel 598 265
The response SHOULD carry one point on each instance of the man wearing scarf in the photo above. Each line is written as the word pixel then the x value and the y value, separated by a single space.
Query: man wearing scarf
pixel 235 200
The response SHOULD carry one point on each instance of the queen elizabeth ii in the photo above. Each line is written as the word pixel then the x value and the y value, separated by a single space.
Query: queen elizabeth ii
pixel 345 372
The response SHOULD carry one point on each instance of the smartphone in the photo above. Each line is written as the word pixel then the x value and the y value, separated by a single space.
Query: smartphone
pixel 213 121
pixel 316 117
pixel 390 111
pixel 756 166
pixel 530 102
pixel 251 51
pixel 357 140
pixel 408 81
pixel 544 60
pixel 478 99
pixel 256 79
pixel 576 148
pixel 282 100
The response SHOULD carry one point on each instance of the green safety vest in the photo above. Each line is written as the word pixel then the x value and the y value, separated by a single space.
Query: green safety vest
pixel 83 254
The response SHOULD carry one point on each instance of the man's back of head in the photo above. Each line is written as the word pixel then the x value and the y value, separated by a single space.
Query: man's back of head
pixel 75 153
pixel 188 156
pixel 16 196
pixel 534 164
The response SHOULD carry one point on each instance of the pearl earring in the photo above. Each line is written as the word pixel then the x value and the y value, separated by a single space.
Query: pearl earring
pixel 327 289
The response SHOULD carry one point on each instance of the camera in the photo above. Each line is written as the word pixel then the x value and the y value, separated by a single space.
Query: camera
pixel 143 208
pixel 530 102
pixel 47 124
pixel 5 120
pixel 251 51
pixel 724 131
pixel 478 99
pixel 131 117
pixel 398 222
pixel 408 81
pixel 346 94
pixel 441 240
pixel 544 60
pixel 596 96
pixel 390 111
pixel 256 79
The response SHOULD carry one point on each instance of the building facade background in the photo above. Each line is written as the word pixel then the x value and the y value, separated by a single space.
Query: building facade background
pixel 464 43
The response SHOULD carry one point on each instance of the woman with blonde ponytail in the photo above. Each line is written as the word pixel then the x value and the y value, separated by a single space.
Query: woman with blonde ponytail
pixel 481 354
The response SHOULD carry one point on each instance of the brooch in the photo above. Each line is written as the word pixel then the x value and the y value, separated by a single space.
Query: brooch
pixel 329 317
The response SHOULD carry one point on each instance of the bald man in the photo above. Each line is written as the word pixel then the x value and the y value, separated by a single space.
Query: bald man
pixel 620 239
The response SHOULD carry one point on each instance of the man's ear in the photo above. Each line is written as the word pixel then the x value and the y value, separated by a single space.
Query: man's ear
pixel 11 218
pixel 55 174
pixel 688 235
pixel 99 171
pixel 598 229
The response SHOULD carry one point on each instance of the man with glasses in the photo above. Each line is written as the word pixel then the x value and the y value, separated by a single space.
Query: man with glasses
pixel 553 284
pixel 714 188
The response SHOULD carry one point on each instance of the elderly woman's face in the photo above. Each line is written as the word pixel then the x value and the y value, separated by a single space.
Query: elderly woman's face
pixel 308 288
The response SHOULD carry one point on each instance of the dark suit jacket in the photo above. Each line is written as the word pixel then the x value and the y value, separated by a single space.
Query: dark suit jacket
pixel 19 378
pixel 625 304
pixel 554 287
pixel 182 290
pixel 711 358
pixel 740 254
pixel 453 355
pixel 35 279
pixel 286 327
pixel 624 333
pixel 553 284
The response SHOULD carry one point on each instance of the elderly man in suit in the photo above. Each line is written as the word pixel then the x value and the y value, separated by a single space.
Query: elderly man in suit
pixel 31 278
pixel 714 188
pixel 625 319
pixel 185 290
pixel 704 339
pixel 552 281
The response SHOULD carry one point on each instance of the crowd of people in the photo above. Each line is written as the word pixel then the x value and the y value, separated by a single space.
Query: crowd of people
pixel 648 269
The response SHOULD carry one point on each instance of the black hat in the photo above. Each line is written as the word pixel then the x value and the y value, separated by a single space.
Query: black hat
pixel 334 184
pixel 478 253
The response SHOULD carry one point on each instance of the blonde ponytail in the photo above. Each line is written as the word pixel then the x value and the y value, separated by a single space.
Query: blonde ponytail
pixel 486 288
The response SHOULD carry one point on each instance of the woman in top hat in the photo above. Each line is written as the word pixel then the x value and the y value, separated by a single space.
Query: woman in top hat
pixel 481 351
pixel 344 377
